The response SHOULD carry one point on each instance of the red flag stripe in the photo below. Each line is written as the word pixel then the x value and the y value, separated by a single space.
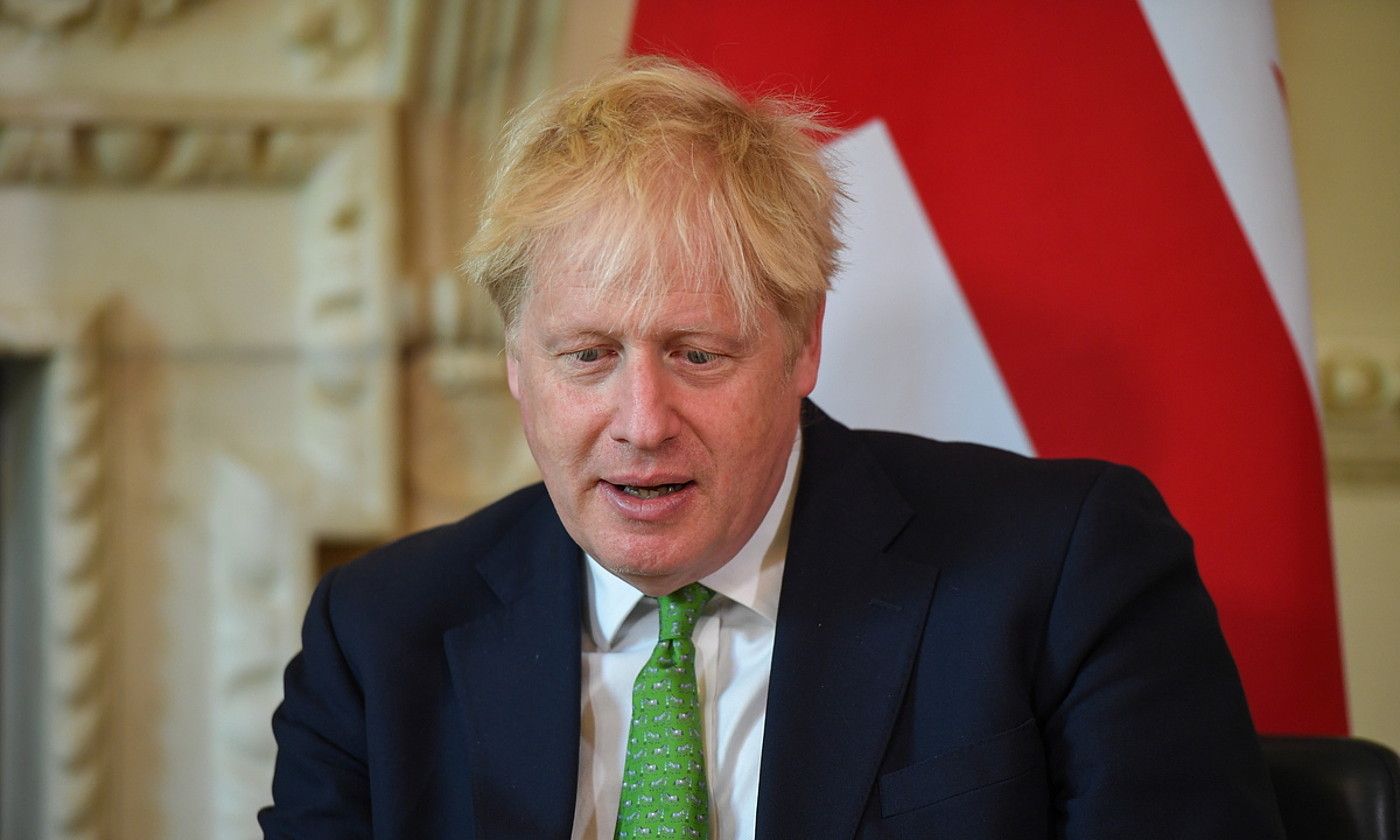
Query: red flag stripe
pixel 1105 268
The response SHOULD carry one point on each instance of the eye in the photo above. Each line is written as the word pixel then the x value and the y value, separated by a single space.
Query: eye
pixel 587 354
pixel 699 357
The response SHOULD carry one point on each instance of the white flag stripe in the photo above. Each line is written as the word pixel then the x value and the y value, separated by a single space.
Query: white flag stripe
pixel 902 350
pixel 1221 56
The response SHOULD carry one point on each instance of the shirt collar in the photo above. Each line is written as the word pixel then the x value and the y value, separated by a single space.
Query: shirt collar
pixel 752 578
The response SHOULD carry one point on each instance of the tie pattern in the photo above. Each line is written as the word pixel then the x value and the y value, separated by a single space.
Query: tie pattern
pixel 664 793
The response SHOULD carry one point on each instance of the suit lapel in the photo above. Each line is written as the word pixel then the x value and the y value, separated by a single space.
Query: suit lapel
pixel 515 669
pixel 852 610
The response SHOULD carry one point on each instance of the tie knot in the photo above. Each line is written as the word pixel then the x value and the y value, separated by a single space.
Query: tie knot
pixel 681 609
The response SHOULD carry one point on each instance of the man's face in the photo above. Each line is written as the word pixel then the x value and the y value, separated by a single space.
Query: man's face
pixel 662 442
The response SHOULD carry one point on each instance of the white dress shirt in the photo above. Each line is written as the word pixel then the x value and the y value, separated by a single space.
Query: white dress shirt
pixel 734 651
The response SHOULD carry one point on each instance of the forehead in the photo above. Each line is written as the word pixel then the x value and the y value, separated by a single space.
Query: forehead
pixel 580 300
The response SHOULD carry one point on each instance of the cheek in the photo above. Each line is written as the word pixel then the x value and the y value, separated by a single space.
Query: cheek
pixel 767 404
pixel 538 421
pixel 741 431
pixel 560 424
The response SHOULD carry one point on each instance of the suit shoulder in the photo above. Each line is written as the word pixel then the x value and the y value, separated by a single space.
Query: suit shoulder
pixel 907 457
pixel 438 562
pixel 964 480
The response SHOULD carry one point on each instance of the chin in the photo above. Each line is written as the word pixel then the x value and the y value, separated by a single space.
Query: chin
pixel 639 561
pixel 633 566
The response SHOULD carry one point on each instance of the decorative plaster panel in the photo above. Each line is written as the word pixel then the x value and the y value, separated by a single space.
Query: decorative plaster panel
pixel 327 33
pixel 125 152
pixel 116 17
pixel 338 164
pixel 75 775
pixel 1361 408
pixel 280 49
pixel 259 570
pixel 340 160
pixel 349 409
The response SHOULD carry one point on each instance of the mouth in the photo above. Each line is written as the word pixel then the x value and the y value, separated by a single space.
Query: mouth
pixel 651 491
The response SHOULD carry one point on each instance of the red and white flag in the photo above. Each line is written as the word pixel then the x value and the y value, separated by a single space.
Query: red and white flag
pixel 1074 232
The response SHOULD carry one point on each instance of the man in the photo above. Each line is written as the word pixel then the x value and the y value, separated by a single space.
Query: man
pixel 892 637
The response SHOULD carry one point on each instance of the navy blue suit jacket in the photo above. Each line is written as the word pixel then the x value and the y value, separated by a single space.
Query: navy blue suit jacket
pixel 970 644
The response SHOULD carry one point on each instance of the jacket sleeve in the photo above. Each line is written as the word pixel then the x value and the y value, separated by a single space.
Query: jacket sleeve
pixel 1146 730
pixel 320 786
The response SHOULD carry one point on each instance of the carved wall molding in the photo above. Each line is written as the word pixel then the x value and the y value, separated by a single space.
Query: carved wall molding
pixel 161 153
pixel 258 588
pixel 76 768
pixel 466 67
pixel 337 163
pixel 114 17
pixel 1360 384
pixel 347 316
pixel 325 34
pixel 340 159
pixel 465 356
pixel 322 36
pixel 500 56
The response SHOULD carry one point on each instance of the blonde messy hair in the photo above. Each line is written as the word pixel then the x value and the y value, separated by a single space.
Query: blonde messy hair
pixel 657 173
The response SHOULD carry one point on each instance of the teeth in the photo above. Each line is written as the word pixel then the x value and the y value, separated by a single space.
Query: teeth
pixel 650 492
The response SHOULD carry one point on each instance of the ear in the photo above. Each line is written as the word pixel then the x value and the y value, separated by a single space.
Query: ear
pixel 513 374
pixel 809 356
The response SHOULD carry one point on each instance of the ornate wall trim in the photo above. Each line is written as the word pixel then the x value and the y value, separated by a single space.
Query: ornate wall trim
pixel 348 314
pixel 253 572
pixel 73 147
pixel 1360 384
pixel 321 37
pixel 75 774
pixel 325 34
pixel 338 161
pixel 115 17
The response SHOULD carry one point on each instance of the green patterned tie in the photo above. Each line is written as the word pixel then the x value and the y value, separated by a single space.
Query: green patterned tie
pixel 663 782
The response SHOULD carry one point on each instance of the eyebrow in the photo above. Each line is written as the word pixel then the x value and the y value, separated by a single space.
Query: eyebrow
pixel 730 343
pixel 555 340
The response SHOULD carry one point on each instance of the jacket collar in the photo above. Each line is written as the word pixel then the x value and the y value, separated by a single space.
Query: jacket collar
pixel 855 599
pixel 515 671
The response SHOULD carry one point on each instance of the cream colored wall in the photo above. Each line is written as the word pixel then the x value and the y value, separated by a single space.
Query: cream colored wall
pixel 197 246
pixel 1341 63
pixel 594 34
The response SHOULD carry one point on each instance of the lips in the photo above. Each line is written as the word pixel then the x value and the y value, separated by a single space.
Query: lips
pixel 650 499
pixel 651 491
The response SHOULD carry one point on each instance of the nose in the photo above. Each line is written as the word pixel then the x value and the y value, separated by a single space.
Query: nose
pixel 644 414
